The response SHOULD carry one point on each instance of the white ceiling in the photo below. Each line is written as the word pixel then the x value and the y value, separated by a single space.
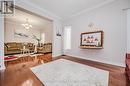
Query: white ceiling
pixel 20 17
pixel 66 8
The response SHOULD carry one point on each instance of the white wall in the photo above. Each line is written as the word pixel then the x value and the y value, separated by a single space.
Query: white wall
pixel 12 27
pixel 112 20
pixel 128 31
pixel 57 40
pixel 1 43
pixel 48 32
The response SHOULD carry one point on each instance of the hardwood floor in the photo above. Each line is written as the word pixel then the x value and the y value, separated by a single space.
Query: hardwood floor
pixel 23 59
pixel 21 75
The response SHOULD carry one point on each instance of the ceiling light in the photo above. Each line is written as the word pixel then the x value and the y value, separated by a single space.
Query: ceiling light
pixel 27 25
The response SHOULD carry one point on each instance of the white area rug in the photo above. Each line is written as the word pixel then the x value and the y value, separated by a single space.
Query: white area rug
pixel 68 73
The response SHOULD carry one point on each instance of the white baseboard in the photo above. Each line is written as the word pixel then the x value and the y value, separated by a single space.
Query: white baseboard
pixel 101 61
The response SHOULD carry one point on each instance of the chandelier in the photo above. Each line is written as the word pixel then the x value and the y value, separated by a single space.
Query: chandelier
pixel 27 25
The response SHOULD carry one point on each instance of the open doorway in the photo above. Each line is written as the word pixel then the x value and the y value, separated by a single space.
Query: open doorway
pixel 27 38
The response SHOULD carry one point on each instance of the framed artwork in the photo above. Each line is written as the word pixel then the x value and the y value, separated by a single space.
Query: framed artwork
pixel 20 34
pixel 92 40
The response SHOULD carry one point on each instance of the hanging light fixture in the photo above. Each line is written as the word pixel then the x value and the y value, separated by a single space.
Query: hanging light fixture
pixel 27 25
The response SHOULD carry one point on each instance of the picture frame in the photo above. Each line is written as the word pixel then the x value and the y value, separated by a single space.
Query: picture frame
pixel 18 33
pixel 92 40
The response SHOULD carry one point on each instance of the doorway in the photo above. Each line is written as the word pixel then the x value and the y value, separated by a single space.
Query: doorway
pixel 27 38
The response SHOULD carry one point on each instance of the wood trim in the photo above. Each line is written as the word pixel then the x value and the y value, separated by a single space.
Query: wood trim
pixel 90 47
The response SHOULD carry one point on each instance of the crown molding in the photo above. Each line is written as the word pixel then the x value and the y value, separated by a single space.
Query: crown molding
pixel 67 18
pixel 45 13
pixel 90 9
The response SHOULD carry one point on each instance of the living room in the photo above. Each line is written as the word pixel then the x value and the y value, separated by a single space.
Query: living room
pixel 21 40
pixel 86 35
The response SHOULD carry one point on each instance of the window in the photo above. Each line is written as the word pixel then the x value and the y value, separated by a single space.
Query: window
pixel 67 37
